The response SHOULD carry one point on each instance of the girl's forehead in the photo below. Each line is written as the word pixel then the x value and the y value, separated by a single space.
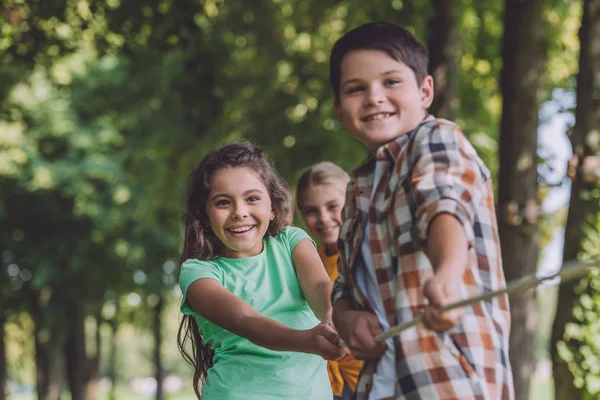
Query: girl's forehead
pixel 235 179
pixel 323 191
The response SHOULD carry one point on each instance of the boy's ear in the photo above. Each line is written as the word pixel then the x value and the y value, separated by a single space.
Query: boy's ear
pixel 427 92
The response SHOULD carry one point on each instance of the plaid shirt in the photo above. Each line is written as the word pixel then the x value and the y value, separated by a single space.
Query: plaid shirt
pixel 431 170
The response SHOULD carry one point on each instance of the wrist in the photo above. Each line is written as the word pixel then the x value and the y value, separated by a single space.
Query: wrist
pixel 342 321
pixel 327 316
pixel 305 342
pixel 449 273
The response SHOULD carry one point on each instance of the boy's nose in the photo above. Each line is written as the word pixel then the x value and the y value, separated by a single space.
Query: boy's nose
pixel 374 96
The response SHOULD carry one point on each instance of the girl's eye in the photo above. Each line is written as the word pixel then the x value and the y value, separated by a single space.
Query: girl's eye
pixel 253 199
pixel 354 89
pixel 222 203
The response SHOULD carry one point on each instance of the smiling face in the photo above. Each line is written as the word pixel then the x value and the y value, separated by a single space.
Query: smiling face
pixel 239 211
pixel 321 210
pixel 380 98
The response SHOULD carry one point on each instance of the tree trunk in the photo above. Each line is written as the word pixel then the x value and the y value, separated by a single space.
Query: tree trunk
pixel 523 56
pixel 444 46
pixel 157 347
pixel 47 361
pixel 587 118
pixel 75 355
pixel 93 366
pixel 3 369
pixel 112 361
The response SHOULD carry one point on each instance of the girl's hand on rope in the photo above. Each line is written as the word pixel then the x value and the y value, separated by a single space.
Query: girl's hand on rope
pixel 324 342
pixel 441 292
pixel 358 329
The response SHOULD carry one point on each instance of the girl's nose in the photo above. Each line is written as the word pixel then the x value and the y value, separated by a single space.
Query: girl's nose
pixel 240 212
pixel 323 217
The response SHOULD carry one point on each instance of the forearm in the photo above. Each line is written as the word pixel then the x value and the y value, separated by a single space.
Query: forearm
pixel 319 299
pixel 447 247
pixel 339 308
pixel 271 334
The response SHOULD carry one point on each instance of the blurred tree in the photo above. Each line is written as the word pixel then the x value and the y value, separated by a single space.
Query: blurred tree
pixel 108 105
pixel 3 369
pixel 444 51
pixel 583 209
pixel 524 57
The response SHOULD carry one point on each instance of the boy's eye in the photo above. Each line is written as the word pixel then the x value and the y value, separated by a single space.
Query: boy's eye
pixel 391 82
pixel 333 207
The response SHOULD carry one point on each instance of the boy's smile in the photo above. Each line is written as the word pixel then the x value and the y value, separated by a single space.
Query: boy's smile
pixel 380 98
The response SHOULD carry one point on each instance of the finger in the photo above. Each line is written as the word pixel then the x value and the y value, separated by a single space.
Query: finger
pixel 439 321
pixel 432 319
pixel 375 326
pixel 330 334
pixel 435 293
pixel 330 351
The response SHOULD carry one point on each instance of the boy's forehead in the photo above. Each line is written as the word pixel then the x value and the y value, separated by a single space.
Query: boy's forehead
pixel 355 59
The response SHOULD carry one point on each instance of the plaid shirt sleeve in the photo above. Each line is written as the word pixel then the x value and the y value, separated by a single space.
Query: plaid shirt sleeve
pixel 447 177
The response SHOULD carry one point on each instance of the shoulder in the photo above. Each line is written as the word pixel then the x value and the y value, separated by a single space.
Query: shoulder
pixel 438 129
pixel 290 236
pixel 193 269
pixel 441 141
pixel 440 135
pixel 194 263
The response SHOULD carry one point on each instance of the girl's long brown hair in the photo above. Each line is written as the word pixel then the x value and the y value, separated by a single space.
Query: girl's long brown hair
pixel 200 243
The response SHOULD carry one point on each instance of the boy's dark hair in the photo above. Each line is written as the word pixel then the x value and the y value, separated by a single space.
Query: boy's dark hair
pixel 201 243
pixel 388 37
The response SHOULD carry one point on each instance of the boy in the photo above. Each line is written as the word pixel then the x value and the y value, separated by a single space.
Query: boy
pixel 419 232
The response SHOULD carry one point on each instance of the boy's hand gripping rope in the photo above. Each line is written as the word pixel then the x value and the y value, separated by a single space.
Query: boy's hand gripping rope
pixel 570 270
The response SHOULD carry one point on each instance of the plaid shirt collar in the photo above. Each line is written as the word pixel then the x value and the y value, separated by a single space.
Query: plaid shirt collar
pixel 389 151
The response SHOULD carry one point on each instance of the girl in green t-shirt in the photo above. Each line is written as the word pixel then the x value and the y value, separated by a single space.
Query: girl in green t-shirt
pixel 256 298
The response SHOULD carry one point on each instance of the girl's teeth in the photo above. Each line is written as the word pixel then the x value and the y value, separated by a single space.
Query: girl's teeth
pixel 239 230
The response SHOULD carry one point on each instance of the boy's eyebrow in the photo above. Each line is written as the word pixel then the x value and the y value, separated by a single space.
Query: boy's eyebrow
pixel 352 80
pixel 247 192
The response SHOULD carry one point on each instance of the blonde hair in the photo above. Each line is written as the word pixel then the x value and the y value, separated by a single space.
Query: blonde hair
pixel 323 173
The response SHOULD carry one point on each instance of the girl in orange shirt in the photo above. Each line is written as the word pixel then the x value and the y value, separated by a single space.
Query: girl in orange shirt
pixel 320 196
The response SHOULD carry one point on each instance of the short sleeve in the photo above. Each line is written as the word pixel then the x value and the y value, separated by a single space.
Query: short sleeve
pixel 191 271
pixel 448 177
pixel 292 235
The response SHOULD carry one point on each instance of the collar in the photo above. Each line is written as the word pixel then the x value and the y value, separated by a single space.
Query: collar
pixel 389 151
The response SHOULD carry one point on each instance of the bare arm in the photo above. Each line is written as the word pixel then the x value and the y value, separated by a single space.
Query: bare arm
pixel 313 279
pixel 447 247
pixel 239 317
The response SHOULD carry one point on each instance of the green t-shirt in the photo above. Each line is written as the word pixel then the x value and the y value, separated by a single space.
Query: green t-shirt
pixel 243 370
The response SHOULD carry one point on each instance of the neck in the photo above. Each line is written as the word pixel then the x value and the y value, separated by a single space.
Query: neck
pixel 331 249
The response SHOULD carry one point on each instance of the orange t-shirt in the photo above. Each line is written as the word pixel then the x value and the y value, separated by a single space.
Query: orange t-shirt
pixel 347 368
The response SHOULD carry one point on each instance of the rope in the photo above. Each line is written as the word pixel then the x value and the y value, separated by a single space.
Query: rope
pixel 570 270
